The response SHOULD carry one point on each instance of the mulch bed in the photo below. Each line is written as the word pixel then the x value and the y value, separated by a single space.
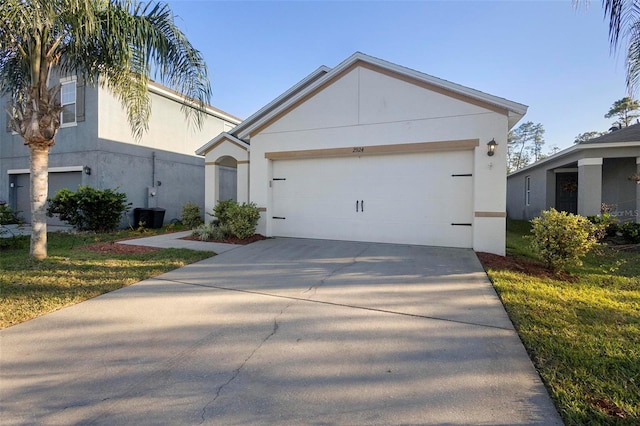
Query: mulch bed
pixel 522 265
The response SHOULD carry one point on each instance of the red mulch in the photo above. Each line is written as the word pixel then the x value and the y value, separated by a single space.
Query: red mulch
pixel 230 240
pixel 522 265
pixel 113 248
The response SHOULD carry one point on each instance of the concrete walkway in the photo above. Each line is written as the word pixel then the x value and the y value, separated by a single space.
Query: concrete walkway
pixel 174 240
pixel 282 331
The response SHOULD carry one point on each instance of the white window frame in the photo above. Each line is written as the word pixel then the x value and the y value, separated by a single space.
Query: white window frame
pixel 65 82
pixel 527 190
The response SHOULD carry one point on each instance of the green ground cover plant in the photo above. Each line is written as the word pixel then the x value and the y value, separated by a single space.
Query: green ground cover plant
pixel 581 328
pixel 72 273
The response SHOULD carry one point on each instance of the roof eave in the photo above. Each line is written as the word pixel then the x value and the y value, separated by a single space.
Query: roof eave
pixel 224 135
pixel 315 75
pixel 570 150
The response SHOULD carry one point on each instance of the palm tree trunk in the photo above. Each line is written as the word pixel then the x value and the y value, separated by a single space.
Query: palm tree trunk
pixel 39 166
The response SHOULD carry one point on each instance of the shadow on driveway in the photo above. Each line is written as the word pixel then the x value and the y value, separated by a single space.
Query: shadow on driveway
pixel 281 331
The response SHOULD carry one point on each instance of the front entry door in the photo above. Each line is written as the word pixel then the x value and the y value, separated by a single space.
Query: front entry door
pixel 567 192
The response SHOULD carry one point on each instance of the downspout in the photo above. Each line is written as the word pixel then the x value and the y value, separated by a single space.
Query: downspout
pixel 153 169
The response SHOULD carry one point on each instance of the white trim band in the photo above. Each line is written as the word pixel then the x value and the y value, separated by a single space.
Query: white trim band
pixel 590 162
pixel 50 170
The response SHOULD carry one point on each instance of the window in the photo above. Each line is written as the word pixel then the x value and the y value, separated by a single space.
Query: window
pixel 68 103
pixel 527 190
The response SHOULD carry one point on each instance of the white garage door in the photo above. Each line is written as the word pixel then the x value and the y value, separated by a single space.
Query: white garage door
pixel 424 199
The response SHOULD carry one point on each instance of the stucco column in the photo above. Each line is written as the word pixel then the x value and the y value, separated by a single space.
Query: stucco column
pixel 638 191
pixel 589 186
pixel 211 184
pixel 243 181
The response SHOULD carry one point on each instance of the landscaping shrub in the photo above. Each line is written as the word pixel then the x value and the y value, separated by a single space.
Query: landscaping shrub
pixel 561 239
pixel 630 232
pixel 243 219
pixel 191 215
pixel 7 216
pixel 221 210
pixel 607 224
pixel 89 209
pixel 211 231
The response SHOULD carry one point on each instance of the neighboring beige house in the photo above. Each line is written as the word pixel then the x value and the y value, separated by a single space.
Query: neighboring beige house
pixel 94 146
pixel 372 151
pixel 581 178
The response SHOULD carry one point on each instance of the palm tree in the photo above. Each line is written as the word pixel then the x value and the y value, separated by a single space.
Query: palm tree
pixel 624 32
pixel 117 44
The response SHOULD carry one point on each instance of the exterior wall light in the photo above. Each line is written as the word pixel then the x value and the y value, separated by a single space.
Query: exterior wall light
pixel 86 170
pixel 491 147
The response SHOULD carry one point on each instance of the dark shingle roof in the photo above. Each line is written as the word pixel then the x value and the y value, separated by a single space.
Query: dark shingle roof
pixel 626 134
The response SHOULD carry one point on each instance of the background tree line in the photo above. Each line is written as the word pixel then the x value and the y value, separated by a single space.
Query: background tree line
pixel 525 142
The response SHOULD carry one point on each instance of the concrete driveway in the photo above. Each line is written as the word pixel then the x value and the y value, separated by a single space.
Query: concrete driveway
pixel 281 331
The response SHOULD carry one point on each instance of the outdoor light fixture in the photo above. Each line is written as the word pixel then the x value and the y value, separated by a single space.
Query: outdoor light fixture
pixel 86 170
pixel 491 147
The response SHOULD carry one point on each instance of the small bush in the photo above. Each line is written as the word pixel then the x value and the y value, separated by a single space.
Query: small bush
pixel 221 210
pixel 191 215
pixel 630 232
pixel 243 220
pixel 210 231
pixel 89 209
pixel 606 224
pixel 561 239
pixel 8 216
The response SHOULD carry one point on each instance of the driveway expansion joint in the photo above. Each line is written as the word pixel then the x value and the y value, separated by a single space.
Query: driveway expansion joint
pixel 343 305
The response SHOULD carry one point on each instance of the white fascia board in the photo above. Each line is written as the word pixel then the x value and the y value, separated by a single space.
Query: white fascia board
pixel 224 135
pixel 174 96
pixel 517 108
pixel 577 147
pixel 239 129
pixel 50 170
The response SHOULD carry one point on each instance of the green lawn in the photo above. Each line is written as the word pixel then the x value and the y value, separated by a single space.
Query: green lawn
pixel 583 333
pixel 70 275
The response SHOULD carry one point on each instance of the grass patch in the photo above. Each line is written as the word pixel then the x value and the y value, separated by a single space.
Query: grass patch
pixel 583 335
pixel 70 275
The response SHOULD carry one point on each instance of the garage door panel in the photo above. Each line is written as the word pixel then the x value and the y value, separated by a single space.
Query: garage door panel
pixel 393 198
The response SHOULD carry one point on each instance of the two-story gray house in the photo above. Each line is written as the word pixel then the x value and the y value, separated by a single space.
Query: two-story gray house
pixel 579 179
pixel 94 147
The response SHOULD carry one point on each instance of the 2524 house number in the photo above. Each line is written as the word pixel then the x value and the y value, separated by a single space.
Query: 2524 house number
pixel 358 149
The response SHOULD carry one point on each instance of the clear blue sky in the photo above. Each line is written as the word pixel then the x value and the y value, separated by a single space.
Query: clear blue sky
pixel 544 54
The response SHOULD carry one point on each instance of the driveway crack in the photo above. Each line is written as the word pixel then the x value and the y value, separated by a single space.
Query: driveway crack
pixel 238 370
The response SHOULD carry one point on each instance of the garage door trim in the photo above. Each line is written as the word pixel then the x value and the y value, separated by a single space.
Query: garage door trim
pixel 358 151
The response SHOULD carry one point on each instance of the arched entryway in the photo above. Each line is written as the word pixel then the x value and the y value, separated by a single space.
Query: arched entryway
pixel 226 178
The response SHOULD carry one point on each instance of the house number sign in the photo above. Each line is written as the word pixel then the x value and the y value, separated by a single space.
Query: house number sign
pixel 358 149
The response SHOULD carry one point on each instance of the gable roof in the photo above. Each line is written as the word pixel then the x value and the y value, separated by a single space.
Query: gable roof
pixel 626 134
pixel 514 110
pixel 323 76
pixel 222 137
pixel 315 75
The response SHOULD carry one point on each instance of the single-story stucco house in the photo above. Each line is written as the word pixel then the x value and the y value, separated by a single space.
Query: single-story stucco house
pixel 371 151
pixel 579 179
